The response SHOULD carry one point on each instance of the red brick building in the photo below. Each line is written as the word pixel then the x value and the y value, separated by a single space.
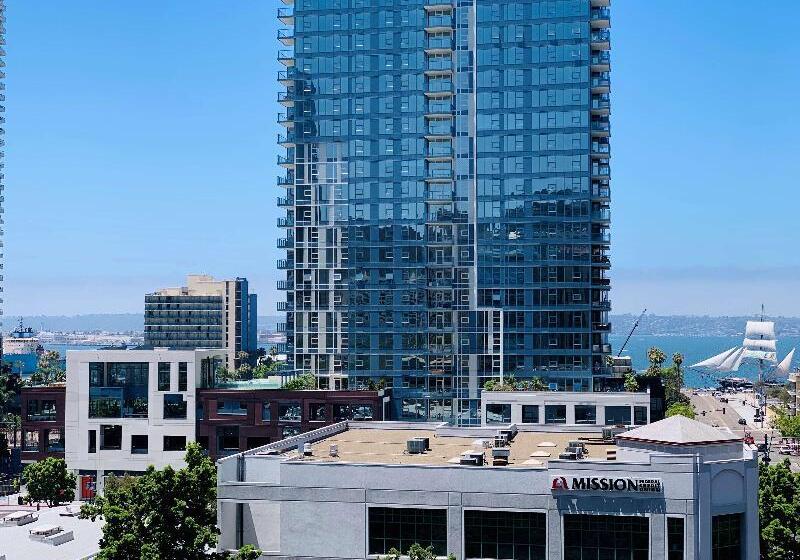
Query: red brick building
pixel 42 422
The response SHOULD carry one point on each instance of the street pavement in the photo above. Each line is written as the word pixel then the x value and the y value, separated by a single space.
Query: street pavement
pixel 726 415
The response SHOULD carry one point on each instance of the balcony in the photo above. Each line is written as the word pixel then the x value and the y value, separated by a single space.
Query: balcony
pixel 601 83
pixel 285 36
pixel 285 306
pixel 600 18
pixel 603 305
pixel 600 128
pixel 288 77
pixel 285 181
pixel 286 140
pixel 288 221
pixel 601 327
pixel 286 16
pixel 601 104
pixel 285 201
pixel 601 61
pixel 285 285
pixel 286 98
pixel 601 192
pixel 601 171
pixel 286 58
pixel 601 40
pixel 601 150
pixel 597 281
pixel 285 242
pixel 601 215
pixel 438 5
pixel 439 23
pixel 288 2
pixel 284 264
pixel 601 261
pixel 287 162
pixel 600 3
pixel 286 119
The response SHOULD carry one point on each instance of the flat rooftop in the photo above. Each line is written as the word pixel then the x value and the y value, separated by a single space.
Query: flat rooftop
pixel 388 446
pixel 16 545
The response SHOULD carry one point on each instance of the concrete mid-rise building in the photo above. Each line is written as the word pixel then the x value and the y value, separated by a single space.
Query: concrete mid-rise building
pixel 206 313
pixel 566 409
pixel 128 409
pixel 675 489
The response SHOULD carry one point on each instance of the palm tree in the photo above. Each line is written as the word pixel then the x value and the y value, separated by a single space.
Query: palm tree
pixel 656 357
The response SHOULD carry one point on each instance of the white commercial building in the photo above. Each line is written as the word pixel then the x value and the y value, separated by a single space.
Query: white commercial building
pixel 565 408
pixel 127 409
pixel 675 489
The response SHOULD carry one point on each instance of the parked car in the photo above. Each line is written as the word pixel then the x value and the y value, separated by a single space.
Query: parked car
pixel 742 422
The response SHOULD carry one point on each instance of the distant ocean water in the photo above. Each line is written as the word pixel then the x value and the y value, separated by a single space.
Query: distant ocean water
pixel 694 349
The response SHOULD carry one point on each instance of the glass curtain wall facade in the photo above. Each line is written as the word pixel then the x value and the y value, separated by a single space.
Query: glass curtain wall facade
pixel 447 196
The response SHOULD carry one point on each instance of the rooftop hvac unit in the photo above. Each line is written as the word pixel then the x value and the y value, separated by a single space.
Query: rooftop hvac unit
pixel 568 455
pixel 577 443
pixel 472 458
pixel 500 456
pixel 416 445
pixel 510 432
pixel 608 434
pixel 500 440
pixel 334 452
pixel 578 451
pixel 307 449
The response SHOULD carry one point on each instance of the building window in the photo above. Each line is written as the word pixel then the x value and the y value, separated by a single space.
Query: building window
pixel 30 440
pixel 110 437
pixel 498 413
pixel 530 413
pixel 606 536
pixel 55 440
pixel 118 389
pixel 290 431
pixel 163 376
pixel 675 538
pixel 174 443
pixel 505 534
pixel 227 438
pixel 726 537
pixel 174 407
pixel 413 409
pixel 616 415
pixel 257 441
pixel 183 376
pixel 235 408
pixel 555 414
pixel 266 412
pixel 289 412
pixel 640 415
pixel 317 412
pixel 400 528
pixel 585 414
pixel 352 412
pixel 139 445
pixel 92 441
pixel 41 411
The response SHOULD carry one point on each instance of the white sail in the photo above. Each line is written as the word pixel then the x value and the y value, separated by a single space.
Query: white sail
pixel 759 344
pixel 760 329
pixel 733 361
pixel 785 365
pixel 715 361
pixel 765 355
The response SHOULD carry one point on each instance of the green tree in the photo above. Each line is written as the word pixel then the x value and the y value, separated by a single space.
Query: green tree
pixel 301 382
pixel 779 511
pixel 48 370
pixel 164 514
pixel 682 409
pixel 656 357
pixel 49 481
pixel 415 552
pixel 787 425
pixel 225 375
pixel 631 385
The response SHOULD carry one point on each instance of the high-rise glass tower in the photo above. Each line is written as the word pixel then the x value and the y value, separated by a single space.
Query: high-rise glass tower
pixel 447 196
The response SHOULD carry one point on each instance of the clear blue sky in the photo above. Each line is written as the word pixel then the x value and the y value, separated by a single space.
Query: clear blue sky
pixel 140 146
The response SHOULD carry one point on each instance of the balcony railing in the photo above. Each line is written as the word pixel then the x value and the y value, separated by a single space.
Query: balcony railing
pixel 285 264
pixel 285 242
pixel 600 39
pixel 286 57
pixel 285 36
pixel 286 16
pixel 286 222
pixel 285 306
pixel 285 285
pixel 600 17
